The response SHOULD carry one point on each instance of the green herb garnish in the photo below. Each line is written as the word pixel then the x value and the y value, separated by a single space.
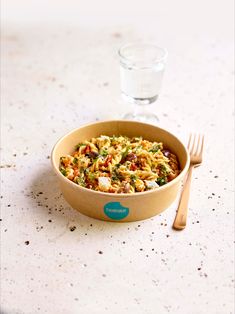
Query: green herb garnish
pixel 81 181
pixel 95 159
pixel 62 159
pixel 117 174
pixel 79 145
pixel 126 152
pixel 63 171
pixel 91 176
pixel 133 177
pixel 75 160
pixel 155 149
pixel 161 181
pixel 163 169
pixel 114 177
pixel 87 171
pixel 104 152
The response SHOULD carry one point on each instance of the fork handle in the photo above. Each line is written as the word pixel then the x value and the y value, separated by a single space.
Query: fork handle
pixel 181 216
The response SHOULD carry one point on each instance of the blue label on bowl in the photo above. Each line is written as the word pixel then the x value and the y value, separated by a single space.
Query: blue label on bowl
pixel 115 210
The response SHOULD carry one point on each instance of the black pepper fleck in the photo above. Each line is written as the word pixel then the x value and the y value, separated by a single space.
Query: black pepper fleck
pixel 26 242
pixel 72 228
pixel 100 252
pixel 117 35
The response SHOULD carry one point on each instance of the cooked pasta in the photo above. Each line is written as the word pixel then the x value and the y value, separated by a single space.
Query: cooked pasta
pixel 119 164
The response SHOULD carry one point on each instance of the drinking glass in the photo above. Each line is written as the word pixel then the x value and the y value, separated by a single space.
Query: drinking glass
pixel 142 67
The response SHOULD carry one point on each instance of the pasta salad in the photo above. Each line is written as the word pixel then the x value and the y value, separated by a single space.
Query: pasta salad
pixel 118 164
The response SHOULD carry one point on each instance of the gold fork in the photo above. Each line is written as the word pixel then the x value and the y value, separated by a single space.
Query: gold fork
pixel 195 148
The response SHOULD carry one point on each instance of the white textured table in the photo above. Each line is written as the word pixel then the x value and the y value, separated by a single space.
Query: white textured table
pixel 63 72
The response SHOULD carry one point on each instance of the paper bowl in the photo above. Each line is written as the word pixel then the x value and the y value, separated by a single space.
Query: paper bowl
pixel 119 207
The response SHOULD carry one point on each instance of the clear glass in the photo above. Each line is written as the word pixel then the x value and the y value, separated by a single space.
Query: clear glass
pixel 142 67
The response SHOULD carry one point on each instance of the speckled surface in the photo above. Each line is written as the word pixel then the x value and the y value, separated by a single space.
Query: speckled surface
pixel 57 77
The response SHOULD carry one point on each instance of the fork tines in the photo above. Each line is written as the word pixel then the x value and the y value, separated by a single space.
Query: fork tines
pixel 195 144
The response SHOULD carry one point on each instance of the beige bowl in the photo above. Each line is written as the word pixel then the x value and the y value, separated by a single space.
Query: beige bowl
pixel 119 207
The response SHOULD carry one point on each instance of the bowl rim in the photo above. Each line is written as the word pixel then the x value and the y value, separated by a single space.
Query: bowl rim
pixel 119 195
